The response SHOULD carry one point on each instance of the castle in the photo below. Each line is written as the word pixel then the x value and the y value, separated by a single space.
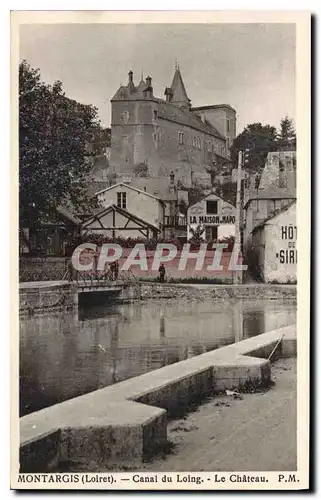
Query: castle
pixel 167 136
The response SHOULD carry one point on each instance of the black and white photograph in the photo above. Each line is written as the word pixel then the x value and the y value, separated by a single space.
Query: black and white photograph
pixel 163 267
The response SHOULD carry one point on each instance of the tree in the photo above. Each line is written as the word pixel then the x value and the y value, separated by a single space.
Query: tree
pixel 140 170
pixel 286 138
pixel 259 140
pixel 217 167
pixel 195 194
pixel 197 234
pixel 54 133
pixel 228 192
pixel 101 140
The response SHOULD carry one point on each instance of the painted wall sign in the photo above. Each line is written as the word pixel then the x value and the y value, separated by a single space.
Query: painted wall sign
pixel 212 219
pixel 215 215
pixel 288 255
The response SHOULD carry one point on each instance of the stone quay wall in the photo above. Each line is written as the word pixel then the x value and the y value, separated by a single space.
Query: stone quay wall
pixel 40 297
pixel 43 297
pixel 258 291
pixel 123 424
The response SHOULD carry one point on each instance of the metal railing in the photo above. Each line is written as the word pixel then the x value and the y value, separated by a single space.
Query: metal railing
pixel 98 278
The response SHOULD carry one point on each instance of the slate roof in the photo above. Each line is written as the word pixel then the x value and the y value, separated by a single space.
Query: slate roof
pixel 169 110
pixel 172 112
pixel 179 94
pixel 211 193
pixel 272 193
pixel 126 184
pixel 67 214
pixel 277 212
pixel 158 186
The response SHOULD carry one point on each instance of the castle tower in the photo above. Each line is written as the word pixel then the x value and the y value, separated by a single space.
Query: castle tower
pixel 220 116
pixel 134 126
pixel 176 93
pixel 167 135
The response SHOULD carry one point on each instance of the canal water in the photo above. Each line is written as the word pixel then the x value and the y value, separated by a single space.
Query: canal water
pixel 64 355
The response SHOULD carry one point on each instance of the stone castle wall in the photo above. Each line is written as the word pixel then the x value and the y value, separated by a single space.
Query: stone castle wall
pixel 141 133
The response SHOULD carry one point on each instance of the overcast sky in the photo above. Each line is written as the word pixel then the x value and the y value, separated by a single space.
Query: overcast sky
pixel 249 66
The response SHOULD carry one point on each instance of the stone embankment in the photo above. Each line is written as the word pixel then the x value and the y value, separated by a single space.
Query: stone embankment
pixel 123 424
pixel 47 296
pixel 150 290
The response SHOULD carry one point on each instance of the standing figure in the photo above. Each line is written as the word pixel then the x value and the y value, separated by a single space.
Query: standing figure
pixel 112 271
pixel 70 269
pixel 161 271
pixel 116 270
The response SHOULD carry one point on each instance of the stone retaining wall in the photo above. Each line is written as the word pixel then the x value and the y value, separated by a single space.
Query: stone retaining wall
pixel 49 296
pixel 256 291
pixel 44 299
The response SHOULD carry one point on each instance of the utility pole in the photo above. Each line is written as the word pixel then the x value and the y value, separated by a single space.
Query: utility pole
pixel 237 241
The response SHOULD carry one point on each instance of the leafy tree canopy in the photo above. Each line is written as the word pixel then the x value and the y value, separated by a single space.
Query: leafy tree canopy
pixel 54 133
pixel 217 167
pixel 259 140
pixel 228 192
pixel 140 170
pixel 286 137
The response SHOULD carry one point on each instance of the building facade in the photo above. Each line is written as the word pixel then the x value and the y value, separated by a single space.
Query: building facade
pixel 272 192
pixel 142 205
pixel 274 243
pixel 212 218
pixel 175 202
pixel 167 135
pixel 115 222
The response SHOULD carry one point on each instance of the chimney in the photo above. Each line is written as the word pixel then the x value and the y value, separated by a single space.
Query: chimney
pixel 172 183
pixel 130 76
pixel 168 92
pixel 148 92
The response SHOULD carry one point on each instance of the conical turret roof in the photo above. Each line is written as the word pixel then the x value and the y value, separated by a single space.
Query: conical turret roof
pixel 178 89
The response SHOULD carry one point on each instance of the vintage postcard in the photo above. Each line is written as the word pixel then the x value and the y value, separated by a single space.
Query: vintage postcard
pixel 160 299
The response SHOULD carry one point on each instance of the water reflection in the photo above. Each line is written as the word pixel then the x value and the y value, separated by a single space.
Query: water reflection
pixel 66 355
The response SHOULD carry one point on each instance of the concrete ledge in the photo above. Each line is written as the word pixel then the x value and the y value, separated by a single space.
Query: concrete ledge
pixel 42 454
pixel 125 423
